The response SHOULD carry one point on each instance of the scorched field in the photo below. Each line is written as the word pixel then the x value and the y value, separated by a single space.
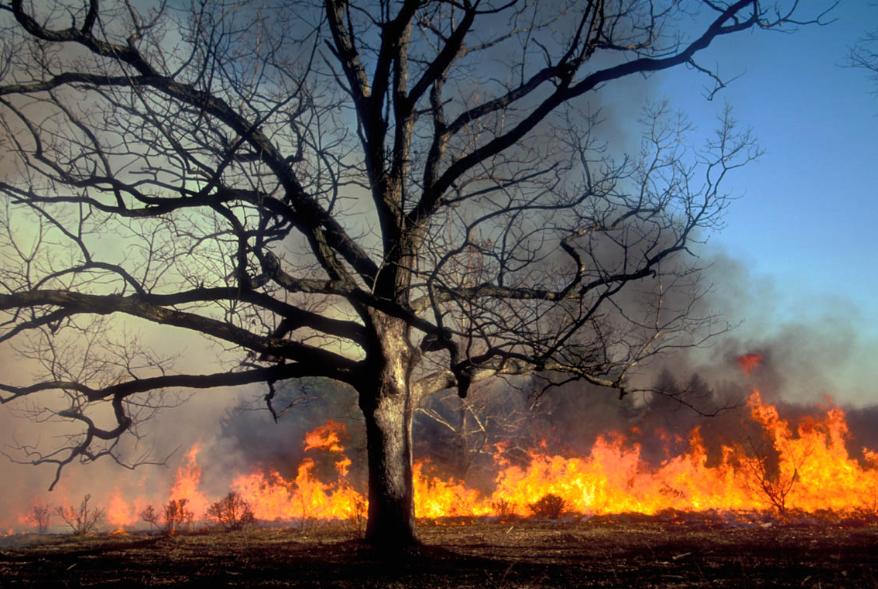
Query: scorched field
pixel 666 550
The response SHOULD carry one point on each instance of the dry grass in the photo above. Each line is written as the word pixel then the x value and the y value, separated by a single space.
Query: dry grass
pixel 599 552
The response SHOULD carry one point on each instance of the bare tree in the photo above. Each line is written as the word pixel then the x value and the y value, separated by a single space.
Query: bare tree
pixel 82 520
pixel 767 478
pixel 175 516
pixel 404 196
pixel 39 516
pixel 864 54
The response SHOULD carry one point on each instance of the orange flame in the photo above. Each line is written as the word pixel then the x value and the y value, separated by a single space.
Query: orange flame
pixel 326 437
pixel 804 467
pixel 186 484
pixel 272 497
pixel 749 362
pixel 121 512
pixel 814 472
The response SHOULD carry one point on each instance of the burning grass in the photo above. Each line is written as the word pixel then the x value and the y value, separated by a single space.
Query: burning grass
pixel 672 549
pixel 801 468
pixel 804 467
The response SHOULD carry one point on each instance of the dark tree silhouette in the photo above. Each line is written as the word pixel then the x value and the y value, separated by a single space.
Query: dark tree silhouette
pixel 404 196
pixel 864 54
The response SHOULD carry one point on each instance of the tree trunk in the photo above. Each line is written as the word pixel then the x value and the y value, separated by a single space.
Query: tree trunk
pixel 391 521
pixel 387 407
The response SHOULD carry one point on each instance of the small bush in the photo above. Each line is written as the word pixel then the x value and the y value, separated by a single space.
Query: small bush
pixel 39 516
pixel 151 516
pixel 177 516
pixel 550 506
pixel 82 520
pixel 231 512
pixel 503 508
pixel 174 518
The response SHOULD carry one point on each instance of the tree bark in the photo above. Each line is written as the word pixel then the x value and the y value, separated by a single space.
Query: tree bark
pixel 387 404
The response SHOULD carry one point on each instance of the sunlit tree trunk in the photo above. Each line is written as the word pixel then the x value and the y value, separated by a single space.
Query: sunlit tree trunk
pixel 387 404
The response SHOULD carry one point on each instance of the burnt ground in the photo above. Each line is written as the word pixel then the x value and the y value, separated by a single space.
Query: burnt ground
pixel 620 551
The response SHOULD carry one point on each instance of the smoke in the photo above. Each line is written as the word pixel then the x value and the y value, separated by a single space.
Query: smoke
pixel 249 437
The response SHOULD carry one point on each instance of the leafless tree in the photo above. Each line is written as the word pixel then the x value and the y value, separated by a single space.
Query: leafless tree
pixel 175 516
pixel 775 487
pixel 82 520
pixel 463 433
pixel 865 54
pixel 405 196
pixel 39 516
pixel 774 481
pixel 151 516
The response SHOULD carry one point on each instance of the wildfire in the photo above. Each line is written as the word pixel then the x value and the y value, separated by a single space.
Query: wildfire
pixel 813 472
pixel 187 482
pixel 805 468
pixel 272 497
pixel 749 362
pixel 123 512
pixel 326 437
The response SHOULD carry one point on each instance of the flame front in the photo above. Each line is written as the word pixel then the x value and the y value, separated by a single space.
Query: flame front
pixel 186 484
pixel 122 513
pixel 805 468
pixel 814 472
pixel 272 497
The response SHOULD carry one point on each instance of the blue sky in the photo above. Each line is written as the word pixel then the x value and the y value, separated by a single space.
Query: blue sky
pixel 807 219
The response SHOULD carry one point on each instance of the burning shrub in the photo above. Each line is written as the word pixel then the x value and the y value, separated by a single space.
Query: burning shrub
pixel 174 518
pixel 549 506
pixel 504 508
pixel 82 520
pixel 767 477
pixel 231 512
pixel 39 516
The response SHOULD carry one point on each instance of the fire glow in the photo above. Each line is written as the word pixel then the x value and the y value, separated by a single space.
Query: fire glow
pixel 813 473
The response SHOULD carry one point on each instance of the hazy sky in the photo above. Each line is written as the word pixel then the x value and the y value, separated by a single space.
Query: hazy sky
pixel 807 219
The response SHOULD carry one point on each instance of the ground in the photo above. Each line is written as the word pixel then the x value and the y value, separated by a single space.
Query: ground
pixel 619 551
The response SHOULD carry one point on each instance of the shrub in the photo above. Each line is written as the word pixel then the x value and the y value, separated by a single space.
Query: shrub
pixel 175 516
pixel 39 516
pixel 231 512
pixel 82 520
pixel 549 506
pixel 151 516
pixel 503 508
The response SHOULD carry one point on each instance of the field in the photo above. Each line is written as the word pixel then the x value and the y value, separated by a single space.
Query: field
pixel 619 551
